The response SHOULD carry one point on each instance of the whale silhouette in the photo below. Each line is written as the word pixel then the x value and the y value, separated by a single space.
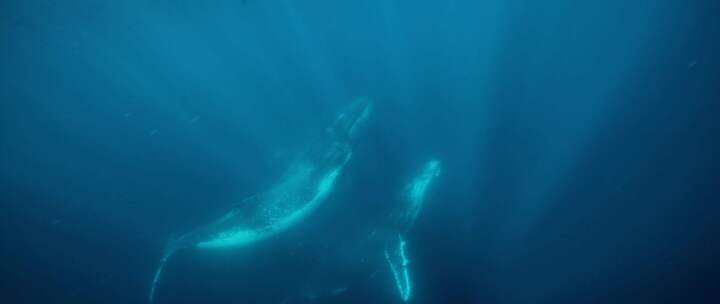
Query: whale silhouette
pixel 301 190
pixel 378 253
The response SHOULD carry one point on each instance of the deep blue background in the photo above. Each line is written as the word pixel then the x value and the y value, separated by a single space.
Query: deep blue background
pixel 579 141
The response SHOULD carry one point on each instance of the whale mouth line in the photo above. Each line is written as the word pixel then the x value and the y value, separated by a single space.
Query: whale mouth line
pixel 348 123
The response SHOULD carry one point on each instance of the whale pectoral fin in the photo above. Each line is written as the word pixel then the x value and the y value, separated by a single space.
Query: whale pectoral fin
pixel 173 245
pixel 156 278
pixel 396 257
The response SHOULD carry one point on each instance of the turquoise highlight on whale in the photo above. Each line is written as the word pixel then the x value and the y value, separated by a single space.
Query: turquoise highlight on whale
pixel 417 190
pixel 243 236
pixel 400 270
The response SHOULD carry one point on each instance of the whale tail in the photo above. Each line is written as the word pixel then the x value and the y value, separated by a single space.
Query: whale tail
pixel 171 247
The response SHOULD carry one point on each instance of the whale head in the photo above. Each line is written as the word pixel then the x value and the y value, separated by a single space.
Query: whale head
pixel 352 119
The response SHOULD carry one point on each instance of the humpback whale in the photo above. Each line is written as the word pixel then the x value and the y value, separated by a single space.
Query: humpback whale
pixel 396 254
pixel 377 254
pixel 301 190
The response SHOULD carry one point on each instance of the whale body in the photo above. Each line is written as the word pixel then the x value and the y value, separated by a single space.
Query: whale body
pixel 301 190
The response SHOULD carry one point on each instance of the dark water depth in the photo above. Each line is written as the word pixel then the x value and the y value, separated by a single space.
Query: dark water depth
pixel 579 143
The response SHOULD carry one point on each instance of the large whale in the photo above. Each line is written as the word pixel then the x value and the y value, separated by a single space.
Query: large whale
pixel 301 190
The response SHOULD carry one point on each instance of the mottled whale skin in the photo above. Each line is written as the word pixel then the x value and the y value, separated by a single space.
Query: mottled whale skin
pixel 302 189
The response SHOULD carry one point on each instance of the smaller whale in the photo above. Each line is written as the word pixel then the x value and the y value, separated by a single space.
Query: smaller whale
pixel 395 251
pixel 377 254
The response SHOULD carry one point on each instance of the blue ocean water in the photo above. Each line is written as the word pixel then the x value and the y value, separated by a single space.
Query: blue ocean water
pixel 578 142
